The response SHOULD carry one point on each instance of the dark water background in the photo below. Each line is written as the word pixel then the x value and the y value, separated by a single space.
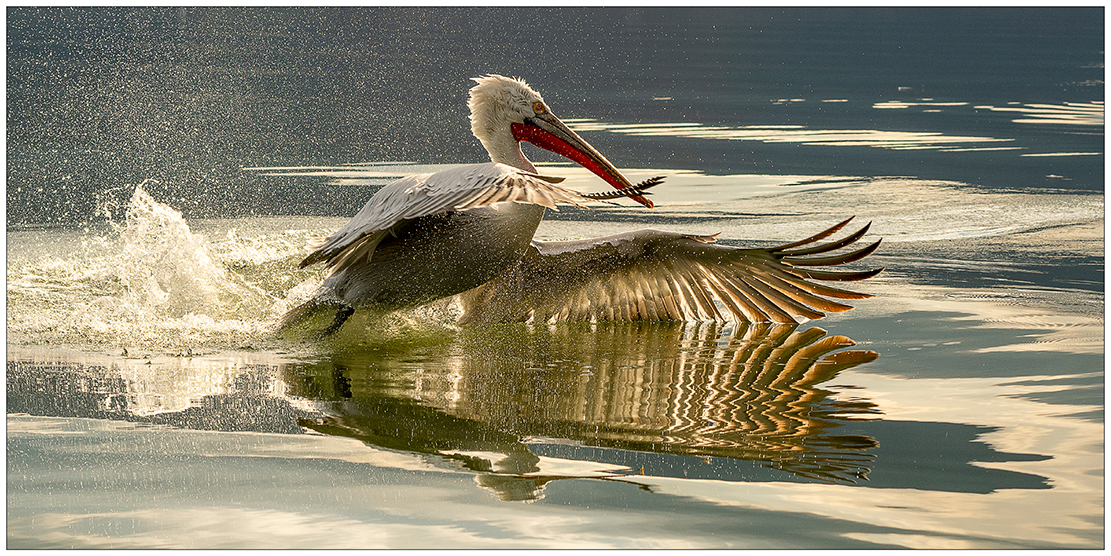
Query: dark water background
pixel 102 97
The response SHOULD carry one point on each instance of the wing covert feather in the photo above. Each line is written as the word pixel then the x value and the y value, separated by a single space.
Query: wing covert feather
pixel 411 197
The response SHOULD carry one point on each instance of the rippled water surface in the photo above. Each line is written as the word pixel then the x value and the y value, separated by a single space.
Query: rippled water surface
pixel 150 406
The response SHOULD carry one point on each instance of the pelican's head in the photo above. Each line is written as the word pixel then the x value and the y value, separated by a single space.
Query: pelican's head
pixel 506 111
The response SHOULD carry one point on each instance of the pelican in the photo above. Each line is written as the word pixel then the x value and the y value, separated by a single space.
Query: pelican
pixel 468 232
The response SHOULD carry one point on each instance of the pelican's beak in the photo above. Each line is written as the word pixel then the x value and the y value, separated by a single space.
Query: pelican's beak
pixel 547 132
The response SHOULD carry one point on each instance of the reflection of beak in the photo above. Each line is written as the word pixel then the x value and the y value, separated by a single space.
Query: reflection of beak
pixel 547 132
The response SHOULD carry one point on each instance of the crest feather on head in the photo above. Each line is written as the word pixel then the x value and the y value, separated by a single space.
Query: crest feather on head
pixel 497 101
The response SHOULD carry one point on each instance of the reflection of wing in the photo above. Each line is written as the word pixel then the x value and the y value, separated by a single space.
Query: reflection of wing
pixel 749 392
pixel 466 187
pixel 652 275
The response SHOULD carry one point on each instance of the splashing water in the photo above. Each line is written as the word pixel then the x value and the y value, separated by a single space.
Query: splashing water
pixel 168 271
pixel 153 283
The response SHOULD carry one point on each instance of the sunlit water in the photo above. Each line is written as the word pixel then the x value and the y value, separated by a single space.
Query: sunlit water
pixel 150 405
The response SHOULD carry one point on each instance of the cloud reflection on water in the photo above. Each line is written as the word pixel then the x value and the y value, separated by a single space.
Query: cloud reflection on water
pixel 896 140
pixel 1069 113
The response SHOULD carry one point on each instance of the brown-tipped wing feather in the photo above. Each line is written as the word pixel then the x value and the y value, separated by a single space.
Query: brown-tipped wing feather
pixel 653 275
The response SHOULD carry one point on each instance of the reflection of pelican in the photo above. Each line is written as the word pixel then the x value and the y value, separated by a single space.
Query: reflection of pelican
pixel 661 388
pixel 468 231
pixel 749 393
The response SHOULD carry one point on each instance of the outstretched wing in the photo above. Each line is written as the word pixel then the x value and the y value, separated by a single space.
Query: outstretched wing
pixel 653 275
pixel 466 187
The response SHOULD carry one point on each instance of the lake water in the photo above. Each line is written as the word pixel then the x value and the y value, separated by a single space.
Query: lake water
pixel 166 168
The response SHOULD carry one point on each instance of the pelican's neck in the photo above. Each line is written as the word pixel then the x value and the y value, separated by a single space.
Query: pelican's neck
pixel 522 163
pixel 522 218
pixel 505 149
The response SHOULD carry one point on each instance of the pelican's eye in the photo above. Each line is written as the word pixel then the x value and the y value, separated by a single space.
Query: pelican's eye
pixel 539 107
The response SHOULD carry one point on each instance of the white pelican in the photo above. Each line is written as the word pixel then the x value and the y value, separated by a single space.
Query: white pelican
pixel 468 232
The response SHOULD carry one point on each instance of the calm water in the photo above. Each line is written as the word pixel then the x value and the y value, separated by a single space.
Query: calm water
pixel 167 167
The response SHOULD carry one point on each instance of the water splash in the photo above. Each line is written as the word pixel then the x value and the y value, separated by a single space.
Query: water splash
pixel 151 282
pixel 155 285
pixel 168 271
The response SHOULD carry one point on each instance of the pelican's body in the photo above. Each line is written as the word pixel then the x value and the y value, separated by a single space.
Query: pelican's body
pixel 468 230
pixel 430 257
